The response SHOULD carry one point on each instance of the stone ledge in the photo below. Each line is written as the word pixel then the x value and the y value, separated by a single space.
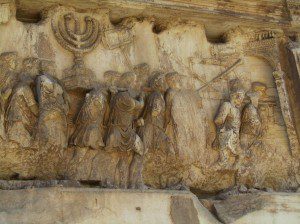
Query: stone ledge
pixel 260 207
pixel 94 205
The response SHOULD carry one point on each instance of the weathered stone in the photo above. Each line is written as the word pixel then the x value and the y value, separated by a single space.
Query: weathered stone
pixel 259 208
pixel 134 102
pixel 92 205
pixel 183 211
pixel 5 13
pixel 175 95
pixel 23 184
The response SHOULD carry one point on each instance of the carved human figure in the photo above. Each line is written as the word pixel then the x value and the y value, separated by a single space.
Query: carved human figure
pixel 8 66
pixel 228 123
pixel 173 81
pixel 90 129
pixel 251 125
pixel 22 111
pixel 122 137
pixel 153 133
pixel 54 106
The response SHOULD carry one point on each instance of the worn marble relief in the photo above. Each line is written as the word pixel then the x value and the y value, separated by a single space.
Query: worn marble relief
pixel 125 107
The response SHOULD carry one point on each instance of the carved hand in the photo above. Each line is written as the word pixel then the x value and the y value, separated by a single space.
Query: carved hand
pixel 113 89
pixel 140 122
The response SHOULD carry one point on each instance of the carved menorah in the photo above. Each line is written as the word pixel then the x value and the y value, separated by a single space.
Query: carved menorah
pixel 76 36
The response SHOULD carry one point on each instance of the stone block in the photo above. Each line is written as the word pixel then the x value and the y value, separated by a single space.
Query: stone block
pixel 93 205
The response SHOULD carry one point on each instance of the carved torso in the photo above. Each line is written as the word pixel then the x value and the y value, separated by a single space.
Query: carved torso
pixel 123 110
pixel 52 125
pixel 251 121
pixel 121 134
pixel 229 117
pixel 21 100
pixel 155 105
pixel 89 124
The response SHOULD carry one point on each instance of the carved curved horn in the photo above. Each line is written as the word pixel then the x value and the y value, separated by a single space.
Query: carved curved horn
pixel 58 34
pixel 94 25
pixel 88 29
pixel 66 36
pixel 93 38
pixel 67 19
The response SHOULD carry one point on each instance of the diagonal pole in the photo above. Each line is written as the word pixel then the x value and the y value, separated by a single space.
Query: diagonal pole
pixel 222 74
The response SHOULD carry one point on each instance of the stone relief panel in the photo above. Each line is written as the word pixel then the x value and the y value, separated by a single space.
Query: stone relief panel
pixel 127 108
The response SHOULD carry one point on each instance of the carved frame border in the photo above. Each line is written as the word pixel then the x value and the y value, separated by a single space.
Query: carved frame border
pixel 269 50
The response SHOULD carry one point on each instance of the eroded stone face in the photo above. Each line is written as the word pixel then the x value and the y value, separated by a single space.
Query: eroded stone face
pixel 129 108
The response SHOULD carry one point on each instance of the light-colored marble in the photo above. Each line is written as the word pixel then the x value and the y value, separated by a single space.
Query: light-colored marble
pixel 91 205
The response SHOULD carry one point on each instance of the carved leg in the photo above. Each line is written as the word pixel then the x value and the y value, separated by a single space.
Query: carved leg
pixel 19 134
pixel 117 175
pixel 224 157
pixel 135 173
pixel 123 171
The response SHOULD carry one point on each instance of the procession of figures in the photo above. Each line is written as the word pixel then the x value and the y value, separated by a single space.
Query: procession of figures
pixel 114 116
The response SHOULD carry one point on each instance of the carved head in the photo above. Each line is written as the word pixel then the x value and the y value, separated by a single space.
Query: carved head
pixel 237 92
pixel 259 88
pixel 158 82
pixel 173 80
pixel 257 91
pixel 46 84
pixel 128 79
pixel 49 85
pixel 95 97
pixel 8 60
pixel 237 97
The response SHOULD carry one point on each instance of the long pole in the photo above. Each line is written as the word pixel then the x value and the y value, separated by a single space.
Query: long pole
pixel 228 70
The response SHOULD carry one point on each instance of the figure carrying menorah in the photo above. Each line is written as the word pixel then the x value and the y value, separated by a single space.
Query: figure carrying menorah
pixel 80 36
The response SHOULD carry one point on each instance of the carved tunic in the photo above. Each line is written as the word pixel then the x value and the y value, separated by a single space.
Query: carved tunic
pixel 20 117
pixel 121 133
pixel 251 122
pixel 89 130
pixel 52 125
pixel 229 122
pixel 229 116
pixel 251 126
pixel 152 133
pixel 7 80
pixel 170 124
